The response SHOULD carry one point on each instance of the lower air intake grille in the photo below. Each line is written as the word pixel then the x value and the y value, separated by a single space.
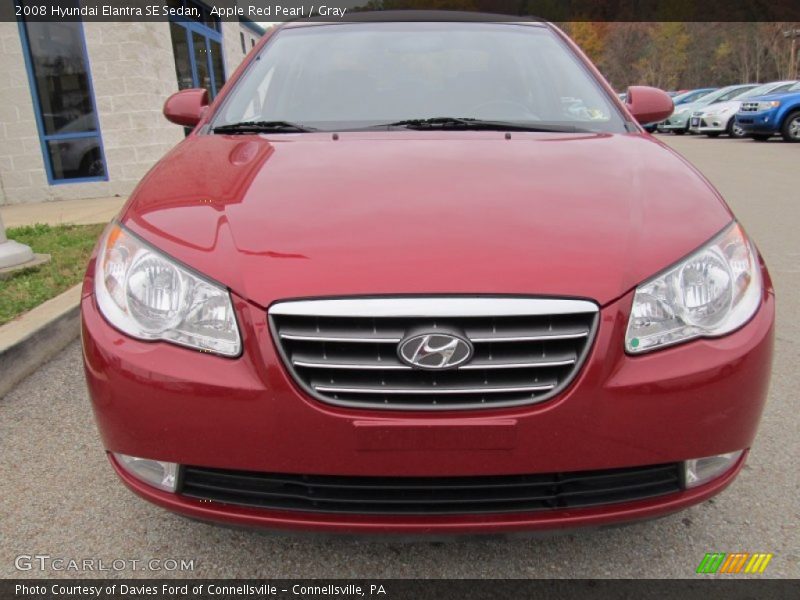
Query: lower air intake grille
pixel 429 495
pixel 519 350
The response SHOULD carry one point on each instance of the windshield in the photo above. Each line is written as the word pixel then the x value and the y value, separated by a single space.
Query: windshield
pixel 338 77
pixel 691 96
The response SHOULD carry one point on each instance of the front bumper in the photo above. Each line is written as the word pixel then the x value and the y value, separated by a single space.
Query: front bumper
pixel 566 519
pixel 762 122
pixel 168 403
pixel 709 124
pixel 673 123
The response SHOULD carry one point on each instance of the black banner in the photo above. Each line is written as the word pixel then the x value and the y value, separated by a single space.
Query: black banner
pixel 399 589
pixel 343 10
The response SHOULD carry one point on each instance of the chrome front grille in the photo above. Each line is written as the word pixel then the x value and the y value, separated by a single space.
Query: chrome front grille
pixel 345 351
pixel 749 107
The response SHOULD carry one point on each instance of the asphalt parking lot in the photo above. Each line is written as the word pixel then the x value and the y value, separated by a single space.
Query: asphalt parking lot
pixel 59 497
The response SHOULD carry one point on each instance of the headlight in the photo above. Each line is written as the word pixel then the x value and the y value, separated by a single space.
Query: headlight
pixel 712 292
pixel 149 296
pixel 163 475
pixel 768 105
pixel 702 470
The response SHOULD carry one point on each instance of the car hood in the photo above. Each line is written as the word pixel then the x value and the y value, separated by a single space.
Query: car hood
pixel 689 106
pixel 780 96
pixel 720 107
pixel 305 215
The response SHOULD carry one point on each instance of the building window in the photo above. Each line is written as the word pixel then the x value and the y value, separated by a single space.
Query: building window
pixel 63 99
pixel 250 33
pixel 197 47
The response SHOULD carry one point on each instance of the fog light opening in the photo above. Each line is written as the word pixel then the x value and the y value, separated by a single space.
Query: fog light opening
pixel 160 474
pixel 702 470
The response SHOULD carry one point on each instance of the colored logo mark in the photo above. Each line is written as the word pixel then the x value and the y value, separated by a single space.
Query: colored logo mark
pixel 737 562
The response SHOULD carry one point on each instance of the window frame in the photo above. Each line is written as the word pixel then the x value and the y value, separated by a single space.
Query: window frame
pixel 209 34
pixel 44 137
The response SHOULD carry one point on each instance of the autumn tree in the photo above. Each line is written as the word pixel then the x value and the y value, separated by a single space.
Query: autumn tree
pixel 591 37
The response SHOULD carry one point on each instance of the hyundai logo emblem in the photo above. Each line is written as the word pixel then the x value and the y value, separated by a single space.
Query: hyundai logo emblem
pixel 440 350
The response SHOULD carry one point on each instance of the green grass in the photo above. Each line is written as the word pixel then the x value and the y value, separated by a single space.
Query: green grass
pixel 69 246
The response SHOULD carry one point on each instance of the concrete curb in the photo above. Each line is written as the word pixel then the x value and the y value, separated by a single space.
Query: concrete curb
pixel 34 338
pixel 37 261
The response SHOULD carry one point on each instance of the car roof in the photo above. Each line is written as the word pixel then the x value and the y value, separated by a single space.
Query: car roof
pixel 695 90
pixel 417 16
pixel 729 88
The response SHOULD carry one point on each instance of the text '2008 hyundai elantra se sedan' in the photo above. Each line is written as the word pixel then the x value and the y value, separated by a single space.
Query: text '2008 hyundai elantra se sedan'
pixel 425 276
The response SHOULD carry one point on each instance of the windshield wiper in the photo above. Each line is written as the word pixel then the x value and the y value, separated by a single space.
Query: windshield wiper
pixel 477 124
pixel 262 127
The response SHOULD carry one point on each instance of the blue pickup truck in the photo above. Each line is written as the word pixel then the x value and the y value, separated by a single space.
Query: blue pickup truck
pixel 765 116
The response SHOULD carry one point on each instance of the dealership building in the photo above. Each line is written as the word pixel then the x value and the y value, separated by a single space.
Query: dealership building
pixel 80 111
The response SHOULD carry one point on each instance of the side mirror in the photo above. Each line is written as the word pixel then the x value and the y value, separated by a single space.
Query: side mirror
pixel 648 104
pixel 186 107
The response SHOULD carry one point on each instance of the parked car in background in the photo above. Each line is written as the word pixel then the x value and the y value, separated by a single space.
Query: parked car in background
pixel 678 122
pixel 720 117
pixel 682 97
pixel 692 95
pixel 764 116
pixel 78 156
pixel 678 98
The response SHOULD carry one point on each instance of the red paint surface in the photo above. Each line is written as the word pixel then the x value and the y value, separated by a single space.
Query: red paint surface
pixel 418 212
pixel 186 107
pixel 649 104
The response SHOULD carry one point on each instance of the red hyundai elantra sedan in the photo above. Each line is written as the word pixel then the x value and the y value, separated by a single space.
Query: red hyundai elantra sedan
pixel 425 276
